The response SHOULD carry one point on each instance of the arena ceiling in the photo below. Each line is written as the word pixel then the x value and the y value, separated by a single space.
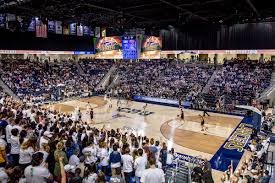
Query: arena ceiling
pixel 142 13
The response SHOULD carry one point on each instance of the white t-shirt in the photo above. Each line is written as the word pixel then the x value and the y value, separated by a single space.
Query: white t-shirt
pixel 169 159
pixel 152 175
pixel 90 154
pixel 45 156
pixel 18 127
pixel 8 132
pixel 43 141
pixel 3 176
pixel 128 162
pixel 140 164
pixel 15 145
pixel 25 155
pixel 90 179
pixel 38 174
pixel 74 160
pixel 104 157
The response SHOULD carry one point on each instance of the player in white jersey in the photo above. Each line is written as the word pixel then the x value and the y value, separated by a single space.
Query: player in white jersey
pixel 144 108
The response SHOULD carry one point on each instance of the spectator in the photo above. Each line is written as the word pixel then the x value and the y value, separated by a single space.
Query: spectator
pixel 139 165
pixel 117 177
pixel 127 162
pixel 153 174
pixel 35 173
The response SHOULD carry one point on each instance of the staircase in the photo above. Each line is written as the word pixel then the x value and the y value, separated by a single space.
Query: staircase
pixel 114 82
pixel 271 161
pixel 179 174
pixel 79 68
pixel 209 83
pixel 269 93
pixel 107 79
pixel 7 90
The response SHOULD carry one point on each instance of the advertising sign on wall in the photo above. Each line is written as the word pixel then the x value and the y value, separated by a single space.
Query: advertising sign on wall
pixel 109 48
pixel 151 47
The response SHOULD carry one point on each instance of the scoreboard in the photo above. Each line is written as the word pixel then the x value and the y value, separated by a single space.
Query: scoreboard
pixel 129 47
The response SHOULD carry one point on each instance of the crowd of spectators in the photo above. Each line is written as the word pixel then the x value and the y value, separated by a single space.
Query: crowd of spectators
pixel 95 69
pixel 163 79
pixel 238 83
pixel 41 81
pixel 39 145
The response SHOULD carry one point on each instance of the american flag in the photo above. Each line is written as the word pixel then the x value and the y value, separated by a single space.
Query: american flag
pixel 41 30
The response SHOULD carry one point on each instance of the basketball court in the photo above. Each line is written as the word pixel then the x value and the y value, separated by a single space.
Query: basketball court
pixel 161 123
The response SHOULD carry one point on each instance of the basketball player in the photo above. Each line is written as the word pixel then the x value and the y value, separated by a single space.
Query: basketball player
pixel 202 123
pixel 92 114
pixel 110 102
pixel 88 107
pixel 144 108
pixel 79 115
pixel 118 103
pixel 203 127
pixel 181 115
pixel 128 98
pixel 205 112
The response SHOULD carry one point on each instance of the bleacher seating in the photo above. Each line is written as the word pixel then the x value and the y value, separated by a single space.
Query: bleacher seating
pixel 238 82
pixel 163 79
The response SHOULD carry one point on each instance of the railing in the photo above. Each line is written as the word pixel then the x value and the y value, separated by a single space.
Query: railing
pixel 114 82
pixel 270 161
pixel 106 78
pixel 180 173
pixel 8 90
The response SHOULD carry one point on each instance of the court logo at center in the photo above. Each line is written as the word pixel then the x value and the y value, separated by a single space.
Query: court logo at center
pixel 135 111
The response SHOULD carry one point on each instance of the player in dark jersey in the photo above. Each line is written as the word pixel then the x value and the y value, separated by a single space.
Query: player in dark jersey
pixel 203 128
pixel 92 114
pixel 181 115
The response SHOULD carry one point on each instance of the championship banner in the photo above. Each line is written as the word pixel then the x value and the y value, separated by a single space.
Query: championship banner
pixel 31 27
pixel 151 47
pixel 73 29
pixel 51 26
pixel 80 30
pixel 86 31
pixel 10 21
pixel 103 32
pixel 92 32
pixel 66 30
pixel 2 20
pixel 97 32
pixel 58 27
pixel 109 48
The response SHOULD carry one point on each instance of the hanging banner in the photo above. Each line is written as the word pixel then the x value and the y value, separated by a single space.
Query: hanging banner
pixel 103 32
pixel 92 32
pixel 86 31
pixel 58 27
pixel 2 20
pixel 97 32
pixel 40 29
pixel 80 30
pixel 73 29
pixel 66 30
pixel 51 26
pixel 31 27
